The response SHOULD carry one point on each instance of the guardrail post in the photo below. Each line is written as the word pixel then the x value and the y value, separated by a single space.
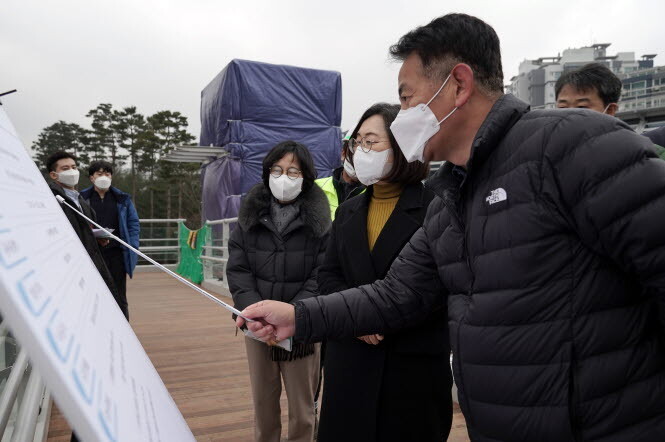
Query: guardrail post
pixel 11 389
pixel 211 259
pixel 177 235
pixel 26 419
pixel 226 229
pixel 206 252
pixel 164 240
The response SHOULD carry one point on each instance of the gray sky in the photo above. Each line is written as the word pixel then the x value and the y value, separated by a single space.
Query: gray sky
pixel 67 56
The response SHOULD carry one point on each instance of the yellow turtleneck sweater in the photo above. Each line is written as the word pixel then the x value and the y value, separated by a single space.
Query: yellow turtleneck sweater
pixel 381 206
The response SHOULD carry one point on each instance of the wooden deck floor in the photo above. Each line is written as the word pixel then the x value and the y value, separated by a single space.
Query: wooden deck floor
pixel 192 343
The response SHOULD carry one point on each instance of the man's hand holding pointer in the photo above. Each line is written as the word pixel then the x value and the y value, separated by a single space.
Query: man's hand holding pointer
pixel 275 321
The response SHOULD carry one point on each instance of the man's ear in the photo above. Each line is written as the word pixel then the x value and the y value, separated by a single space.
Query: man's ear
pixel 612 109
pixel 465 82
pixel 53 175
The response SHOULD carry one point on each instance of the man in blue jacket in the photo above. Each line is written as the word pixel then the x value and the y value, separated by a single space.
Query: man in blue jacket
pixel 115 210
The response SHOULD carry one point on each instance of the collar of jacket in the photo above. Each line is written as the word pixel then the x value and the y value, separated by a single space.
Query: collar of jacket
pixel 356 188
pixel 409 198
pixel 314 210
pixel 505 112
pixel 85 208
pixel 337 173
pixel 57 188
pixel 119 194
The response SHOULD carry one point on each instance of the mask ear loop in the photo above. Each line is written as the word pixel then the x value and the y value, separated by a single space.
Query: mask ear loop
pixel 440 89
pixel 446 117
pixel 437 93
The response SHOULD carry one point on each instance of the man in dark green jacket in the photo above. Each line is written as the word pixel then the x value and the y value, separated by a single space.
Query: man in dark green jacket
pixel 595 87
pixel 660 151
pixel 658 138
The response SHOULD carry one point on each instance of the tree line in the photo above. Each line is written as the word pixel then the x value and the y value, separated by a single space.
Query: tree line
pixel 136 145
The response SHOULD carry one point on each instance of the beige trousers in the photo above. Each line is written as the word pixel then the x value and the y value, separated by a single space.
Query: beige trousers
pixel 300 377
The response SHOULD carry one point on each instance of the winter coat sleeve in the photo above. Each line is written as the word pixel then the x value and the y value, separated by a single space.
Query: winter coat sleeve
pixel 242 282
pixel 133 225
pixel 408 293
pixel 330 276
pixel 657 136
pixel 611 190
pixel 311 287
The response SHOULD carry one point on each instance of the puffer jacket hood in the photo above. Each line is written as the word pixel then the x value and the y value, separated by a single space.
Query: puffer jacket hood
pixel 314 209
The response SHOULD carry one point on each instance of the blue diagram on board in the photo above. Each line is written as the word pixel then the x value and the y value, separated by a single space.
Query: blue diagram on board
pixel 84 377
pixel 108 416
pixel 33 293
pixel 59 337
pixel 5 251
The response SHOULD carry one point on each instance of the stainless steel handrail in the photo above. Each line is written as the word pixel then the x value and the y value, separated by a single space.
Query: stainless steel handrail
pixel 161 220
pixel 26 419
pixel 11 389
pixel 208 258
pixel 166 248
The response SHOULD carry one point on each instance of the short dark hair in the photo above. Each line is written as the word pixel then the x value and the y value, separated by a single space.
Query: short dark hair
pixel 300 152
pixel 57 156
pixel 97 166
pixel 592 76
pixel 451 39
pixel 402 172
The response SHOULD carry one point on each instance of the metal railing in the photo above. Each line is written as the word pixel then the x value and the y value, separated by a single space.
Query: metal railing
pixel 159 240
pixel 25 404
pixel 642 72
pixel 651 102
pixel 216 251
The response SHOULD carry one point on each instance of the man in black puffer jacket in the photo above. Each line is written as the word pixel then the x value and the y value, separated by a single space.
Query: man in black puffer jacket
pixel 546 242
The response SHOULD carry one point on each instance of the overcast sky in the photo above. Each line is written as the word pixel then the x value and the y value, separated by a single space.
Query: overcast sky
pixel 67 56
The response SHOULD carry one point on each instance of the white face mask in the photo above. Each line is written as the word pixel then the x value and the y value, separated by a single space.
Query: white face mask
pixel 103 182
pixel 413 127
pixel 284 188
pixel 348 168
pixel 372 166
pixel 69 177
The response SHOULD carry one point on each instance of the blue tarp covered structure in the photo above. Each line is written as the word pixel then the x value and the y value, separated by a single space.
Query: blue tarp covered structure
pixel 250 107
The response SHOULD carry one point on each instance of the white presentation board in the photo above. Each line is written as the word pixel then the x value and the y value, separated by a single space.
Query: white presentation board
pixel 60 310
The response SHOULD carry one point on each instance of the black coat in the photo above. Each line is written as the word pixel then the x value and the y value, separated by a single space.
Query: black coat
pixel 550 251
pixel 266 265
pixel 83 230
pixel 657 136
pixel 359 389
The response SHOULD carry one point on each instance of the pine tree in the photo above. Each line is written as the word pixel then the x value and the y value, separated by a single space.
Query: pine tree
pixel 103 144
pixel 61 135
pixel 129 126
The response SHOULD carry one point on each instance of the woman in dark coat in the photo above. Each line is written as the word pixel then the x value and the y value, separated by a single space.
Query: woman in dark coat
pixel 382 388
pixel 283 227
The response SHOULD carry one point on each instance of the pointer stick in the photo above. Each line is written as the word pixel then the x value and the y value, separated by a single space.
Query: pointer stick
pixel 61 200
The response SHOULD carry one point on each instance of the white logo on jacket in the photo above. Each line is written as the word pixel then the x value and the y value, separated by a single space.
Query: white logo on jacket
pixel 496 196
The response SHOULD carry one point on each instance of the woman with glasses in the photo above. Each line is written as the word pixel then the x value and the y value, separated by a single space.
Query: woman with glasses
pixel 382 388
pixel 274 253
